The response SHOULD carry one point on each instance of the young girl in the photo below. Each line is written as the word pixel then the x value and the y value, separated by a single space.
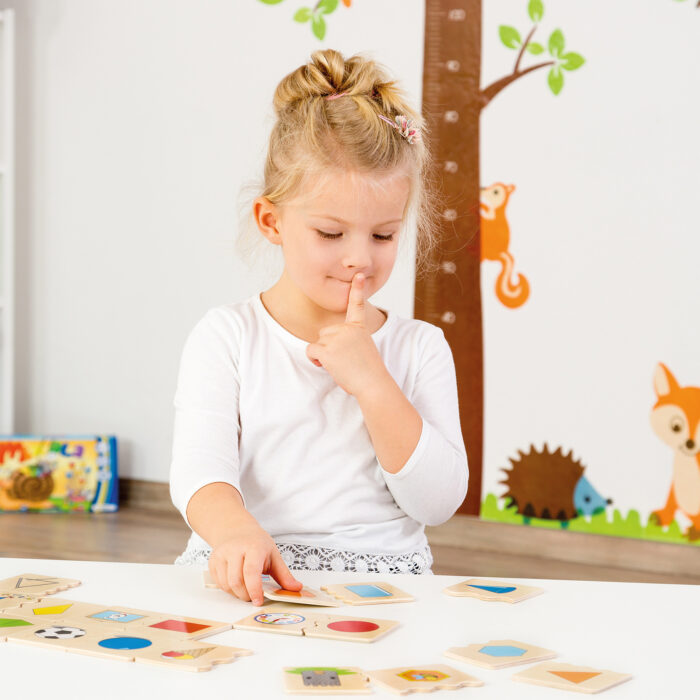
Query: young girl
pixel 314 430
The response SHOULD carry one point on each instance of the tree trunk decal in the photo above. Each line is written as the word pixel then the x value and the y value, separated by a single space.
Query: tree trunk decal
pixel 452 104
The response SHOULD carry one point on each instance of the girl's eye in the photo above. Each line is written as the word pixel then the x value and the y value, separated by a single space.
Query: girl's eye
pixel 331 236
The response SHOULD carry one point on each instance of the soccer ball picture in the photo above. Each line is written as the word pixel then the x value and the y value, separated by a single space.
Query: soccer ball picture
pixel 60 633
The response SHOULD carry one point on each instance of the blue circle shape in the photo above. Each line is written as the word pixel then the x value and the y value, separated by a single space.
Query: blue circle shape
pixel 125 643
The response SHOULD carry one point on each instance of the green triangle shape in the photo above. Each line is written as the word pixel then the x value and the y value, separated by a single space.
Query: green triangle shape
pixel 9 622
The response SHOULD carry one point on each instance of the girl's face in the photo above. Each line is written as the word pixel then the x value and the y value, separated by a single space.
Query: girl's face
pixel 347 223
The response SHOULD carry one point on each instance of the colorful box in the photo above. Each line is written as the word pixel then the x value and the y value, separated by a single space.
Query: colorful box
pixel 46 474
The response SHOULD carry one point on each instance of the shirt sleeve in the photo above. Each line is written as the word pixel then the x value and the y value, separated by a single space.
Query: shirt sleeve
pixel 433 483
pixel 207 424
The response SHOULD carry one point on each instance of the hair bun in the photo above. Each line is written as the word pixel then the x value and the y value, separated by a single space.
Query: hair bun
pixel 323 75
pixel 329 73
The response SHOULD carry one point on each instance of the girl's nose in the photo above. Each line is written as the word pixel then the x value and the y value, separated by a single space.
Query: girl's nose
pixel 357 257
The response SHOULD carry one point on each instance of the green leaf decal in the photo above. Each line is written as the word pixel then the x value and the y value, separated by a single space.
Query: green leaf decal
pixel 556 43
pixel 572 61
pixel 327 6
pixel 555 79
pixel 509 36
pixel 271 2
pixel 535 49
pixel 303 14
pixel 318 27
pixel 535 9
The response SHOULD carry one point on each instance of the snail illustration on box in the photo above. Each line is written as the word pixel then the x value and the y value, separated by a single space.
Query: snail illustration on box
pixel 25 480
pixel 551 486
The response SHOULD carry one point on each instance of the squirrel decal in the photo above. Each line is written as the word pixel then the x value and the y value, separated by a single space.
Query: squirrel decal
pixel 495 239
pixel 675 418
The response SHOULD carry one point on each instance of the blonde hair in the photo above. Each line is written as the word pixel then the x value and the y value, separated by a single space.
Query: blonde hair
pixel 313 135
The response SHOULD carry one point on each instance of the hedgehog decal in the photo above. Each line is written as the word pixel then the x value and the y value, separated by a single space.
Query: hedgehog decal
pixel 550 485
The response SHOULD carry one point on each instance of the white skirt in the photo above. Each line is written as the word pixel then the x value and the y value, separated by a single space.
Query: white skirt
pixel 302 557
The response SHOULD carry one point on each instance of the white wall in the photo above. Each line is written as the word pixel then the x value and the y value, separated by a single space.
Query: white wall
pixel 138 120
pixel 604 223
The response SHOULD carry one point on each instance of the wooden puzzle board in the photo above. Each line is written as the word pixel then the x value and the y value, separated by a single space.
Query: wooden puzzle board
pixel 613 615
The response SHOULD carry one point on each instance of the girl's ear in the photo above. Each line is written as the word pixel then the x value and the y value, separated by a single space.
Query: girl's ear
pixel 267 217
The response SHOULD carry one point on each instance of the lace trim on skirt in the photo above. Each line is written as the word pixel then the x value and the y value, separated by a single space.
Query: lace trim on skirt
pixel 301 557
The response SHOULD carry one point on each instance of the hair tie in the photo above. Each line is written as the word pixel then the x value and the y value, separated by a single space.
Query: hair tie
pixel 404 126
pixel 336 95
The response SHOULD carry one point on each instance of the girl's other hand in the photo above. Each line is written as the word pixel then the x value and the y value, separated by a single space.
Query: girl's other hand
pixel 237 564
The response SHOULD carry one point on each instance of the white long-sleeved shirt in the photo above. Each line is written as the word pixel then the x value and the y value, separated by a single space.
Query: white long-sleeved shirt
pixel 253 411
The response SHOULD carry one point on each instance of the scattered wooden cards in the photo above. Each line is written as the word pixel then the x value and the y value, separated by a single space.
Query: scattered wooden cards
pixel 499 653
pixel 417 679
pixel 114 632
pixel 367 593
pixel 493 590
pixel 322 680
pixel 337 627
pixel 581 679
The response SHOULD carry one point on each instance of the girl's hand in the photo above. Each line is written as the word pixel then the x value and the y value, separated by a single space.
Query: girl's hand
pixel 346 350
pixel 237 564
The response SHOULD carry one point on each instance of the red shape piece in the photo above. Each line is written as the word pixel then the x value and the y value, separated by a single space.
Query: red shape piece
pixel 179 626
pixel 352 626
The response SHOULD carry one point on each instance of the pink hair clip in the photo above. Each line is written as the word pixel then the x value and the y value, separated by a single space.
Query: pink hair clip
pixel 404 126
pixel 336 96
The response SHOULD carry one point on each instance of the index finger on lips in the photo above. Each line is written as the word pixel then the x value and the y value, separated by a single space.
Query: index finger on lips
pixel 356 313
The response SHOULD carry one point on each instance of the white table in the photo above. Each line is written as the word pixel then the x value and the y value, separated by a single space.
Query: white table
pixel 648 630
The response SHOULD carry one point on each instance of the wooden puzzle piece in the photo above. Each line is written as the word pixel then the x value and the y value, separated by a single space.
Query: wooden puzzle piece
pixel 64 635
pixel 12 625
pixel 75 612
pixel 306 596
pixel 499 653
pixel 128 645
pixel 14 601
pixel 272 591
pixel 298 623
pixel 422 679
pixel 114 632
pixel 184 627
pixel 36 584
pixel 484 589
pixel 580 679
pixel 187 655
pixel 368 593
pixel 349 629
pixel 325 680
pixel 46 609
pixel 191 628
pixel 278 622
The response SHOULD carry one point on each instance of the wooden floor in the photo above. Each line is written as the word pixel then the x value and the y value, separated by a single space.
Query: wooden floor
pixel 463 546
